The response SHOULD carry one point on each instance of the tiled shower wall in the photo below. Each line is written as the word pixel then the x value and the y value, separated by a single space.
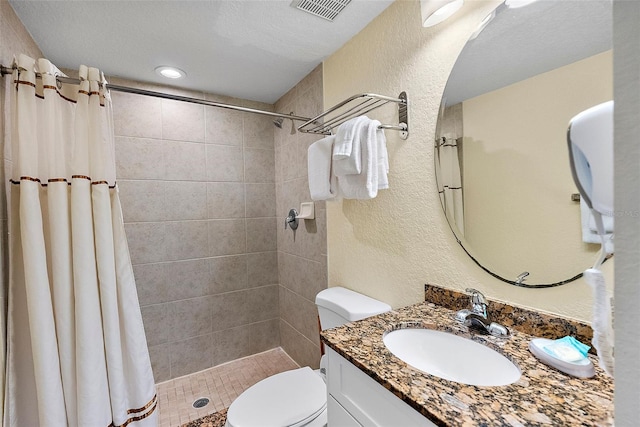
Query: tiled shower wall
pixel 198 195
pixel 302 256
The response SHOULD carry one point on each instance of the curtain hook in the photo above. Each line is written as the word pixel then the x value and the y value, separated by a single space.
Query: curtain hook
pixel 58 82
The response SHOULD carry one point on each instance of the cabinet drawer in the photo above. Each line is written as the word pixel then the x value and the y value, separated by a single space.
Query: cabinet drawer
pixel 337 416
pixel 366 400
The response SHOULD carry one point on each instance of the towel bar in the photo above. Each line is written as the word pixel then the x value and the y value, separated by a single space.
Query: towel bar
pixel 358 105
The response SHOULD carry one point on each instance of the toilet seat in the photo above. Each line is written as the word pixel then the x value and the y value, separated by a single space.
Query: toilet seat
pixel 289 399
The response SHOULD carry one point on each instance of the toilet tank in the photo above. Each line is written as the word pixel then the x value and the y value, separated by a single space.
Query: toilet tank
pixel 337 306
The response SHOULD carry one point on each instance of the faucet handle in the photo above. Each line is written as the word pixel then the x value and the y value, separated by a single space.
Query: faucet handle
pixel 478 302
pixel 476 296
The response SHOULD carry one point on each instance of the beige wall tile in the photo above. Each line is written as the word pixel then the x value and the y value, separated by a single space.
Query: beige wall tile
pixel 261 234
pixel 158 320
pixel 262 269
pixel 223 126
pixel 227 237
pixel 259 165
pixel 182 121
pixel 185 200
pixel 192 317
pixel 146 242
pixel 184 161
pixel 139 158
pixel 237 308
pixel 244 340
pixel 303 351
pixel 151 283
pixel 302 276
pixel 300 313
pixel 258 131
pixel 225 200
pixel 186 240
pixel 224 163
pixel 137 115
pixel 187 279
pixel 190 355
pixel 160 362
pixel 228 273
pixel 290 161
pixel 142 201
pixel 260 200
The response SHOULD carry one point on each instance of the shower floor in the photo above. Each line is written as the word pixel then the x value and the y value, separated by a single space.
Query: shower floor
pixel 220 384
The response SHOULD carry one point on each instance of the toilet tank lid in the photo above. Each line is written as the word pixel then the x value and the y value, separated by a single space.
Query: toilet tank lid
pixel 349 304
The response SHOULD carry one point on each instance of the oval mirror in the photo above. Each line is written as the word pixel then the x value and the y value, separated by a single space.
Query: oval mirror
pixel 502 162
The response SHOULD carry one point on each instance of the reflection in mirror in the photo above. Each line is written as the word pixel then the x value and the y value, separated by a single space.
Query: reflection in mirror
pixel 502 163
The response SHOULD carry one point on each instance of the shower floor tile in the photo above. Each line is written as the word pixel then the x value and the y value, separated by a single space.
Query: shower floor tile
pixel 220 384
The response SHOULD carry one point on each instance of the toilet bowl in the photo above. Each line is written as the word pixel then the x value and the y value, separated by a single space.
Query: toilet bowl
pixel 290 399
pixel 298 397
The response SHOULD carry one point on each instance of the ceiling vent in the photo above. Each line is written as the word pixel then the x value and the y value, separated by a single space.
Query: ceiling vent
pixel 327 9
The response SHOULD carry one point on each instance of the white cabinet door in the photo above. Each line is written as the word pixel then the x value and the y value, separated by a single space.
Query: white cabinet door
pixel 366 400
pixel 337 416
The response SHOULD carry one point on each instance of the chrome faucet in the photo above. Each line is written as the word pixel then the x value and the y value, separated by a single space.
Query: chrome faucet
pixel 478 316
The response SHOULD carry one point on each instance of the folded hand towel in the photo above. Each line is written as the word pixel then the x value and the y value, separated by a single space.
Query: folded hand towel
pixel 365 184
pixel 350 135
pixel 322 182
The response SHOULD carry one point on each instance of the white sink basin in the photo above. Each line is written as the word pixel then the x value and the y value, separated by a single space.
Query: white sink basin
pixel 451 357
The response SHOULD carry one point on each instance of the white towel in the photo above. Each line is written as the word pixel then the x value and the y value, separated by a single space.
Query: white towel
pixel 383 160
pixel 322 182
pixel 364 185
pixel 347 156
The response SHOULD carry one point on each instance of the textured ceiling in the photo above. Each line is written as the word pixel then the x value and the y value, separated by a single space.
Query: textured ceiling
pixel 523 42
pixel 252 49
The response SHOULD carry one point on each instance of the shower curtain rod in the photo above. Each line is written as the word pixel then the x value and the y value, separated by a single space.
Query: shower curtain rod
pixel 61 79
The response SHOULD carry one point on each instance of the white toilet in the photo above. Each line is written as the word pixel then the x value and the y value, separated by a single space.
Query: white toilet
pixel 299 397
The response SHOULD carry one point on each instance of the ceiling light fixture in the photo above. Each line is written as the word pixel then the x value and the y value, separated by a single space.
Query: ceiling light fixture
pixel 514 4
pixel 170 72
pixel 435 11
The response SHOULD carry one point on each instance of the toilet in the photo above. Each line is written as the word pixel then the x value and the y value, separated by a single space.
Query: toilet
pixel 299 397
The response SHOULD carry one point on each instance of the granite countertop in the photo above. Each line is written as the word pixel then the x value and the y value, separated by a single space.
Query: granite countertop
pixel 542 395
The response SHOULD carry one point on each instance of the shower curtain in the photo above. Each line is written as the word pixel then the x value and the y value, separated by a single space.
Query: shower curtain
pixel 76 349
pixel 450 181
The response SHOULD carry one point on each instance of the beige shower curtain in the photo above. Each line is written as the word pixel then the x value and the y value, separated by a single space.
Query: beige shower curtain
pixel 76 349
pixel 450 181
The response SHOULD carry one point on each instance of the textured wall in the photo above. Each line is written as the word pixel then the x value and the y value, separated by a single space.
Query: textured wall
pixel 198 196
pixel 390 246
pixel 302 258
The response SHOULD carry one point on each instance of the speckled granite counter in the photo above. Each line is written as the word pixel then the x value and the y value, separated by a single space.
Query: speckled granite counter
pixel 542 395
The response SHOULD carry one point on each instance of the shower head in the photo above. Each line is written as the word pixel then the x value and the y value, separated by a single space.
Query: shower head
pixel 278 122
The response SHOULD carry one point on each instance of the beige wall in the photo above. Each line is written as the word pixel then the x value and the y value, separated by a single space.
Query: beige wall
pixel 198 197
pixel 302 258
pixel 517 183
pixel 389 247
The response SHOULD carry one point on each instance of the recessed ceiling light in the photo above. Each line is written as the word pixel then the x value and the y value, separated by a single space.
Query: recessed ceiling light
pixel 435 11
pixel 170 72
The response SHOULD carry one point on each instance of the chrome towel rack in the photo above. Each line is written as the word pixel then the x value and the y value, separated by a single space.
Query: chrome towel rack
pixel 358 105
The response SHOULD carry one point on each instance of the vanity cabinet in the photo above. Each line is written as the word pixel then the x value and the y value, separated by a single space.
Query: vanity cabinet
pixel 355 399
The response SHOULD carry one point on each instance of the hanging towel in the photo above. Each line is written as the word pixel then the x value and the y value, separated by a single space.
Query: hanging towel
pixel 347 156
pixel 383 160
pixel 322 182
pixel 364 185
pixel 589 230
